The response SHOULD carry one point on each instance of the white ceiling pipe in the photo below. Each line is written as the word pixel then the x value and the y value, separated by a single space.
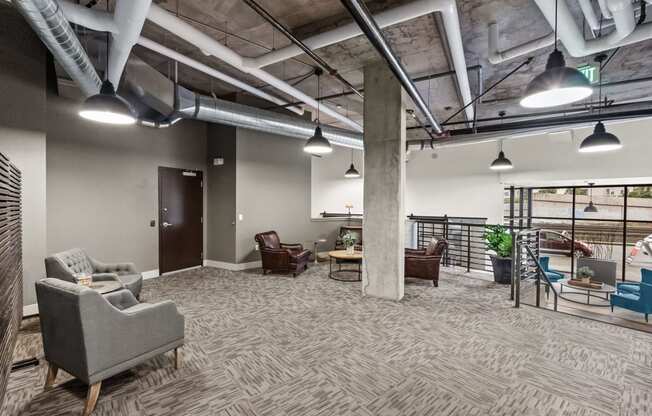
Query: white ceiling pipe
pixel 418 8
pixel 496 56
pixel 604 9
pixel 103 21
pixel 589 14
pixel 94 19
pixel 129 16
pixel 572 38
pixel 623 15
pixel 153 46
pixel 206 43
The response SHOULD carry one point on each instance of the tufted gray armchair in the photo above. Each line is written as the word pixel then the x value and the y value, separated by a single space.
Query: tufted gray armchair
pixel 66 264
pixel 94 337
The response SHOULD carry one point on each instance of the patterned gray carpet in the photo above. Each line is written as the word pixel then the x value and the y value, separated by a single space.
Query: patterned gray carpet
pixel 276 346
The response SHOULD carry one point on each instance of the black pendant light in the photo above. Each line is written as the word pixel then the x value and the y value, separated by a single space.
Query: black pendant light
pixel 352 172
pixel 558 84
pixel 501 162
pixel 318 144
pixel 600 140
pixel 107 106
pixel 591 207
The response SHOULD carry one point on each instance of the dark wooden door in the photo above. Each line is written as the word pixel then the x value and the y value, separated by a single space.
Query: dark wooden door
pixel 180 229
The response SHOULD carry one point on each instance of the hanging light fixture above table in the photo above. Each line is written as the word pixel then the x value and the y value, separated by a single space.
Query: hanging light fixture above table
pixel 558 84
pixel 600 140
pixel 318 144
pixel 352 172
pixel 501 162
pixel 591 207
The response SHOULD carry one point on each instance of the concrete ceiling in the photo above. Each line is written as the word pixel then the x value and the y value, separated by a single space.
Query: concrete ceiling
pixel 417 42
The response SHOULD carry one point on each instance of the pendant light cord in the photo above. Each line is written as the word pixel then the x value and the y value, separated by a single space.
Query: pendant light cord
pixel 318 96
pixel 108 40
pixel 556 6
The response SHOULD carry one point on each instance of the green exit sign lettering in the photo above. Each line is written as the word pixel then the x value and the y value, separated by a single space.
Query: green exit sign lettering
pixel 591 72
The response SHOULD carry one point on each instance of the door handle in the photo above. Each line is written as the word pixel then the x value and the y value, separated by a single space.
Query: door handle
pixel 166 224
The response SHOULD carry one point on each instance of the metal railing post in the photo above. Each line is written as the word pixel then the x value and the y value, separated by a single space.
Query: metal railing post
pixel 468 248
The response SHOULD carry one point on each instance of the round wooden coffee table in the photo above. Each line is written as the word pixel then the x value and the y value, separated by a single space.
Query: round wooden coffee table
pixel 342 257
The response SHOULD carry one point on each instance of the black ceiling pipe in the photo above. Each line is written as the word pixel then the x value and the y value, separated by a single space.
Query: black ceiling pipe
pixel 370 28
pixel 347 93
pixel 286 32
pixel 551 122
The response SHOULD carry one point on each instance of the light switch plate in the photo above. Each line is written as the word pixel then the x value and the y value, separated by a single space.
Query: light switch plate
pixel 218 161
pixel 240 217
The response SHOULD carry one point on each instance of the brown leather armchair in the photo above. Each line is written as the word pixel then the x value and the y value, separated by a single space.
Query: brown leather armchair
pixel 424 264
pixel 280 257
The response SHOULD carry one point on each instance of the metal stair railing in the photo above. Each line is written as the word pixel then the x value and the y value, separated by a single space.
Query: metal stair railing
pixel 527 266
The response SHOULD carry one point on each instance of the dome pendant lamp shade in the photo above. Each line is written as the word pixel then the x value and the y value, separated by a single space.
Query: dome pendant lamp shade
pixel 590 207
pixel 557 85
pixel 107 107
pixel 501 163
pixel 600 141
pixel 352 172
pixel 317 144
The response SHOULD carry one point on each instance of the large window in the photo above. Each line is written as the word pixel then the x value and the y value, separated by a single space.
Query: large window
pixel 611 223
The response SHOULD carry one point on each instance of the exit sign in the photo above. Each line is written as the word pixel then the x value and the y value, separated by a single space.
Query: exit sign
pixel 591 72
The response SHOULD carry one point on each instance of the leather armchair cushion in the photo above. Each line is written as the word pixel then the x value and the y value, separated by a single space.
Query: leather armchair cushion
pixel 268 239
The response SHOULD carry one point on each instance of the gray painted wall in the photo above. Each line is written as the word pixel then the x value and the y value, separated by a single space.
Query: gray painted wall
pixel 273 193
pixel 221 191
pixel 22 133
pixel 102 182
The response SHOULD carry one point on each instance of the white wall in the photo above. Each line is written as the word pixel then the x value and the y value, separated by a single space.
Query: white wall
pixel 550 158
pixel 458 181
pixel 331 191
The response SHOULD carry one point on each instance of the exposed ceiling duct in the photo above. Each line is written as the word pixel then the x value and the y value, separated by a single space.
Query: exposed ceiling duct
pixel 201 107
pixel 47 20
pixel 570 33
pixel 399 14
pixel 158 92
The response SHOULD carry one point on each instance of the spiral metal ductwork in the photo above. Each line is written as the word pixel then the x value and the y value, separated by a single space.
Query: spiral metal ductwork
pixel 47 20
pixel 212 110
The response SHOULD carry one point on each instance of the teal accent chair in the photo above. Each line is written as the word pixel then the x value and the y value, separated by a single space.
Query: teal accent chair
pixel 641 302
pixel 635 287
pixel 553 275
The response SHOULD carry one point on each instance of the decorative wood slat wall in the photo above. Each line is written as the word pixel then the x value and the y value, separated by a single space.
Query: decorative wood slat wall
pixel 11 266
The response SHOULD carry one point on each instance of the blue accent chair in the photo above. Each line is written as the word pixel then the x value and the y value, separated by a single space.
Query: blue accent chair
pixel 553 275
pixel 642 302
pixel 634 287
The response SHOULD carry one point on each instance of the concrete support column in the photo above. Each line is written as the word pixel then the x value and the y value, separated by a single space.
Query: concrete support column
pixel 384 184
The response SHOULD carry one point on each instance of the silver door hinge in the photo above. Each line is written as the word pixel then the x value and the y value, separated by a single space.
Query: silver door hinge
pixel 201 220
pixel 201 184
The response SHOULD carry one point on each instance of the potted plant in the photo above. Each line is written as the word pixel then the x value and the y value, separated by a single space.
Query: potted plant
pixel 585 274
pixel 500 242
pixel 349 240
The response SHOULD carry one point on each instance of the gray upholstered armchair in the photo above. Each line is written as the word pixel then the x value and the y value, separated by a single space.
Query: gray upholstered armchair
pixel 66 264
pixel 94 337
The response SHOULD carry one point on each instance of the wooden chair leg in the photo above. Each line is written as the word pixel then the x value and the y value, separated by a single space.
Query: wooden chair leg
pixel 91 398
pixel 51 376
pixel 178 359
